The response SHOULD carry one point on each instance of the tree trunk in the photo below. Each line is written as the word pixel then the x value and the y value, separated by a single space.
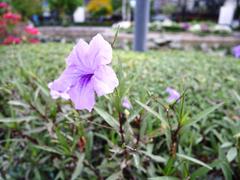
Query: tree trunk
pixel 124 10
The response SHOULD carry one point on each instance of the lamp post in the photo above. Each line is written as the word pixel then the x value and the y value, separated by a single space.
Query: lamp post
pixel 141 19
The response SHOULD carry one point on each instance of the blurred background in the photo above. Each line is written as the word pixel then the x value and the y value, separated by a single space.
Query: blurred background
pixel 203 24
pixel 107 12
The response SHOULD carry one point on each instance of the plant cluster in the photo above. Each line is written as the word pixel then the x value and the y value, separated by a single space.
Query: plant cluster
pixel 139 131
pixel 204 28
pixel 201 28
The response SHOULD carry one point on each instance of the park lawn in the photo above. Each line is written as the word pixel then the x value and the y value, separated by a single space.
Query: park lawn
pixel 40 137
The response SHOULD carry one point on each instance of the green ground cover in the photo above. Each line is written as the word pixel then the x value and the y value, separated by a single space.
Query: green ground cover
pixel 41 138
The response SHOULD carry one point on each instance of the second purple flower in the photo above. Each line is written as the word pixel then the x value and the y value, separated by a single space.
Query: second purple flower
pixel 236 51
pixel 174 95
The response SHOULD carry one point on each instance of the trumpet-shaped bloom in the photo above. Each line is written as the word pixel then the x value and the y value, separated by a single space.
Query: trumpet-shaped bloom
pixel 236 51
pixel 126 103
pixel 173 95
pixel 87 72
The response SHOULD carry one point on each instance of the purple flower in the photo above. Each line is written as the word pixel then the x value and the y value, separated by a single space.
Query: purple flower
pixel 126 103
pixel 204 28
pixel 236 51
pixel 87 73
pixel 173 95
pixel 185 26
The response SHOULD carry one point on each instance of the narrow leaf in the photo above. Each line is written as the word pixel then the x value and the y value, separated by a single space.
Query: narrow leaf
pixel 163 178
pixel 232 154
pixel 108 118
pixel 49 149
pixel 203 114
pixel 154 157
pixel 115 176
pixel 18 103
pixel 150 110
pixel 194 160
pixel 78 168
pixel 18 120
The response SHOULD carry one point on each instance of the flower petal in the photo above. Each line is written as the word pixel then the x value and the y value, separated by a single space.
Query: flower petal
pixel 82 95
pixel 100 51
pixel 55 94
pixel 104 80
pixel 66 79
pixel 78 56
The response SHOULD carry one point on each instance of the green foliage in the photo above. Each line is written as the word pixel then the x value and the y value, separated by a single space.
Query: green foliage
pixel 101 12
pixel 26 8
pixel 116 4
pixel 198 137
pixel 65 6
pixel 169 9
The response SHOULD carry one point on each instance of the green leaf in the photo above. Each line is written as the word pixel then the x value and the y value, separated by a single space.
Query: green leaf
pixel 59 175
pixel 203 114
pixel 19 103
pixel 226 170
pixel 37 174
pixel 154 113
pixel 237 135
pixel 62 140
pixel 236 96
pixel 203 170
pixel 44 90
pixel 154 157
pixel 18 120
pixel 79 167
pixel 89 145
pixel 49 149
pixel 194 160
pixel 134 115
pixel 35 130
pixel 232 154
pixel 226 144
pixel 108 118
pixel 169 168
pixel 163 178
pixel 115 176
pixel 136 159
pixel 225 166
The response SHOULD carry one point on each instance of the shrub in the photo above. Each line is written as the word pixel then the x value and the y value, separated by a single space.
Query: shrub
pixel 27 8
pixel 65 6
pixel 99 8
pixel 11 29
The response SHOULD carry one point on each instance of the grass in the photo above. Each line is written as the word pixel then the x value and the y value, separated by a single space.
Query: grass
pixel 46 139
